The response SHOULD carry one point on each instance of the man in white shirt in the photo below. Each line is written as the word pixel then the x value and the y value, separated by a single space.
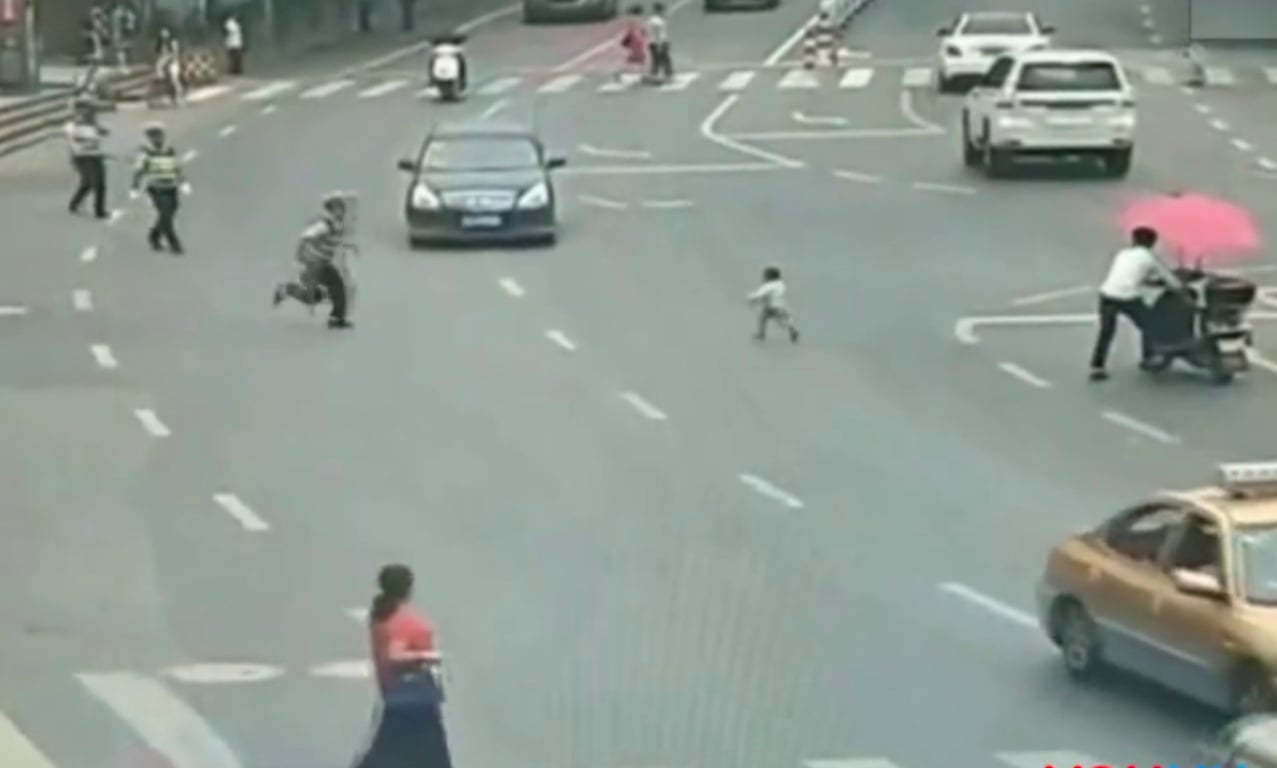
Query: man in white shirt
pixel 658 44
pixel 1122 293
pixel 234 46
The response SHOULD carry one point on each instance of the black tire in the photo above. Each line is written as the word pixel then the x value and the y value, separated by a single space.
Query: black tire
pixel 1078 639
pixel 971 156
pixel 1221 376
pixel 997 162
pixel 946 84
pixel 1118 163
pixel 711 7
pixel 531 17
pixel 1253 691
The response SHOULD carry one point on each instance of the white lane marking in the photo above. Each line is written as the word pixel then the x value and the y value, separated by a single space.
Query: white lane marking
pixel 104 356
pixel 377 91
pixel 243 514
pixel 799 79
pixel 190 155
pixel 949 189
pixel 707 130
pixel 737 81
pixel 1024 375
pixel 499 86
pixel 648 410
pixel 619 154
pixel 207 93
pixel 917 77
pixel 1241 145
pixel 560 84
pixel 625 82
pixel 167 724
pixel 560 338
pixel 219 673
pixel 964 328
pixel 151 423
pixel 510 286
pixel 1259 361
pixel 82 300
pixel 1148 23
pixel 1155 39
pixel 89 254
pixel 1139 427
pixel 1146 9
pixel 996 607
pixel 493 108
pixel 929 131
pixel 116 215
pixel 1219 125
pixel 668 205
pixel 1158 76
pixel 1202 109
pixel 269 109
pixel 16 751
pixel 1047 296
pixel 856 78
pixel 670 170
pixel 355 669
pixel 227 131
pixel 799 117
pixel 852 762
pixel 1270 74
pixel 327 89
pixel 12 311
pixel 1219 76
pixel 765 488
pixel 779 52
pixel 270 91
pixel 911 114
pixel 681 82
pixel 1039 759
pixel 602 202
pixel 1267 164
pixel 864 178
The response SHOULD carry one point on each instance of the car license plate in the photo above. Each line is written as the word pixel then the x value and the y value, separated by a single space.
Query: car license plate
pixel 1069 121
pixel 480 222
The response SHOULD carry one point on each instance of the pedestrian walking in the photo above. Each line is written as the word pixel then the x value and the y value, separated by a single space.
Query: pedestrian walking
pixel 85 138
pixel 1122 294
pixel 635 44
pixel 772 308
pixel 159 171
pixel 820 41
pixel 407 727
pixel 234 42
pixel 319 252
pixel 658 44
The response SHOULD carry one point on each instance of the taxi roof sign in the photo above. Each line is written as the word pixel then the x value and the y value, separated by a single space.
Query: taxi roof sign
pixel 1255 478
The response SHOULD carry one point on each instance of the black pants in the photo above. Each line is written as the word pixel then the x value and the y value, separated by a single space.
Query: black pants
pixel 335 285
pixel 408 14
pixel 92 174
pixel 1110 309
pixel 165 200
pixel 662 62
pixel 364 13
pixel 407 737
pixel 235 60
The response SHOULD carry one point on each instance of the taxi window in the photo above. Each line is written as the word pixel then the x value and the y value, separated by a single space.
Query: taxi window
pixel 1256 551
pixel 1198 549
pixel 1141 534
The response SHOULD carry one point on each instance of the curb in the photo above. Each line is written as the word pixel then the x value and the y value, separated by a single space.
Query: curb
pixel 28 123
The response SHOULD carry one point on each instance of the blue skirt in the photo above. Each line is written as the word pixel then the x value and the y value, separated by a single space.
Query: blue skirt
pixel 407 736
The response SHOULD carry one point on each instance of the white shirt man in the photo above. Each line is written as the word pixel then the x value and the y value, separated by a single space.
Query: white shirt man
pixel 234 41
pixel 1122 294
pixel 770 298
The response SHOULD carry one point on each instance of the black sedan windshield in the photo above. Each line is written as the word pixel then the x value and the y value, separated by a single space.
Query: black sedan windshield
pixel 480 154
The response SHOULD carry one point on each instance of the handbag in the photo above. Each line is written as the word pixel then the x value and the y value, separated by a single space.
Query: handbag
pixel 416 685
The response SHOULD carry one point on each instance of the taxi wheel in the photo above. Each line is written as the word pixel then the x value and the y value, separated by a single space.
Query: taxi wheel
pixel 1079 640
pixel 1253 691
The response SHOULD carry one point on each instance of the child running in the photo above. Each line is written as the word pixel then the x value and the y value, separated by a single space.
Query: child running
pixel 770 300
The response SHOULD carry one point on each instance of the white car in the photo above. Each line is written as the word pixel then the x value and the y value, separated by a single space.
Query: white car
pixel 975 40
pixel 1053 103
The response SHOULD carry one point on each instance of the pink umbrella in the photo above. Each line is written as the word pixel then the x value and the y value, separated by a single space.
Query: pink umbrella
pixel 1196 228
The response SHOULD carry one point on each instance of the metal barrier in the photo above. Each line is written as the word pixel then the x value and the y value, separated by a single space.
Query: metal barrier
pixel 39 119
pixel 201 66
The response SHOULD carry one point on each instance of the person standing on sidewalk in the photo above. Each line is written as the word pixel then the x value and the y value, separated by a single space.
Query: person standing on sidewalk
pixel 234 42
pixel 1122 294
pixel 658 42
pixel 159 170
pixel 84 138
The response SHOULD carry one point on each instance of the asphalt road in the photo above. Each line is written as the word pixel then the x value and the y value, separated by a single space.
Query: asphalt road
pixel 647 541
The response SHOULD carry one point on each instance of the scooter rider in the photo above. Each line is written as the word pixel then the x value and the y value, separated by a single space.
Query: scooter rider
pixel 318 252
pixel 450 45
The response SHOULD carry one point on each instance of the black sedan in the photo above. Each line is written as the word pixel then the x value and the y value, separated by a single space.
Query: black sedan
pixel 481 183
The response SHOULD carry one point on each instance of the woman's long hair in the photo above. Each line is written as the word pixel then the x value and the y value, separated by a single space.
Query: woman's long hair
pixel 394 584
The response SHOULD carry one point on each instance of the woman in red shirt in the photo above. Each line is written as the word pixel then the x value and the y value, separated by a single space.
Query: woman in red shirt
pixel 407 729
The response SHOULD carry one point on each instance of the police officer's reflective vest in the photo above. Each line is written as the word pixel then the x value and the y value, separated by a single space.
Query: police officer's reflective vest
pixel 160 168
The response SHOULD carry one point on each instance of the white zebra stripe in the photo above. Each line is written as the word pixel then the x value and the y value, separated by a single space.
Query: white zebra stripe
pixel 560 84
pixel 1219 76
pixel 681 81
pixel 327 89
pixel 499 86
pixel 618 84
pixel 737 81
pixel 381 90
pixel 270 91
pixel 1270 73
pixel 856 78
pixel 207 93
pixel 16 751
pixel 917 77
pixel 799 79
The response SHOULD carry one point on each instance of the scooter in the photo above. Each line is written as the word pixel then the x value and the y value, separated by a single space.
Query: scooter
pixel 1204 326
pixel 447 68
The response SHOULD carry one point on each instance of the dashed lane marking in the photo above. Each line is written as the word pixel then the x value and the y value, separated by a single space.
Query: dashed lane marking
pixel 618 154
pixel 602 202
pixel 767 490
pixel 853 762
pixel 993 606
pixel 269 109
pixel 151 423
pixel 948 189
pixel 493 109
pixel 385 88
pixel 207 93
pixel 327 89
pixel 227 131
pixel 1202 109
pixel 16 751
pixel 164 722
pixel 1219 125
pixel 89 254
pixel 560 338
pixel 12 311
pixel 359 615
pixel 1155 39
pixel 116 215
pixel 1267 164
pixel 1139 427
pixel 737 81
pixel 241 512
pixel 1241 145
pixel 190 155
pixel 668 205
pixel 649 411
pixel 861 178
pixel 1011 369
pixel 620 84
pixel 104 356
pixel 1270 74
pixel 82 300
pixel 270 91
pixel 512 287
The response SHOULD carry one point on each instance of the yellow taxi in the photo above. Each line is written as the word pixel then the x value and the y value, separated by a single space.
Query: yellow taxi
pixel 1180 589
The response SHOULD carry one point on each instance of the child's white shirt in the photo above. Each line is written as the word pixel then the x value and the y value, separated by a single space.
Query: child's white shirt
pixel 770 294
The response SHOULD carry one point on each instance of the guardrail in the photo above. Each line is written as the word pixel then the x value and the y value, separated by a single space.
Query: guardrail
pixel 33 121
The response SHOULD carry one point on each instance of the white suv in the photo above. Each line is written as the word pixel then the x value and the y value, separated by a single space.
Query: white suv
pixel 1051 103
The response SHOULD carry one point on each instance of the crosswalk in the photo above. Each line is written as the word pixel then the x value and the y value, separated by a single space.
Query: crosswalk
pixel 170 726
pixel 855 78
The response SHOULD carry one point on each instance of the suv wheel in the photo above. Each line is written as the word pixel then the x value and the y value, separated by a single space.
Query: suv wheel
pixel 1078 639
pixel 970 152
pixel 997 162
pixel 1118 163
pixel 1253 691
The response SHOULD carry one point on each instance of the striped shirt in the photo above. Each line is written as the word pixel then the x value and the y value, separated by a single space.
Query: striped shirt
pixel 85 139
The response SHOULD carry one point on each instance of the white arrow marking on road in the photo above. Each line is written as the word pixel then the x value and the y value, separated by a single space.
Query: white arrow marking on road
pixel 996 607
pixel 1139 427
pixel 1048 296
pixel 1024 375
pixel 355 669
pixel 104 356
pixel 82 300
pixel 560 338
pixel 223 673
pixel 648 410
pixel 510 286
pixel 151 423
pixel 16 751
pixel 770 491
pixel 799 117
pixel 89 254
pixel 630 154
pixel 12 311
pixel 243 514
pixel 710 134
pixel 602 202
pixel 166 723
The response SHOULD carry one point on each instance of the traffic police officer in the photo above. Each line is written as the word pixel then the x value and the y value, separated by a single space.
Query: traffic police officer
pixel 160 170
pixel 84 137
